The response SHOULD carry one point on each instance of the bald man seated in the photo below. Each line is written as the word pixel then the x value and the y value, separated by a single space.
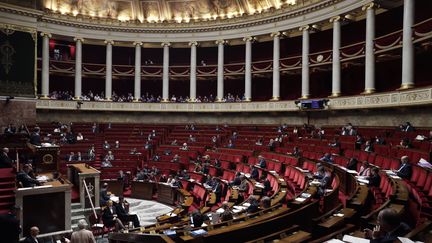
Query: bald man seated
pixel 388 229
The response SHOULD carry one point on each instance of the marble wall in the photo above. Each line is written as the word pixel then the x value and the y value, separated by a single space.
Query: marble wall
pixel 418 116
pixel 17 111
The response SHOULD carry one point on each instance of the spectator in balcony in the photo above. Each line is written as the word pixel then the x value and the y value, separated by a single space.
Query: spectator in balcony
pixel 94 128
pixel 156 157
pixel 352 164
pixel 352 131
pixel 79 137
pixel 117 144
pixel 106 145
pixel 174 143
pixel 405 170
pixel 335 143
pixel 259 142
pixel 109 156
pixel 374 178
pixel 191 139
pixel 230 144
pixel 106 163
pixel 262 162
pixel 389 227
pixel 184 147
pixel 368 147
pixel 214 140
pixel 327 158
pixel 365 169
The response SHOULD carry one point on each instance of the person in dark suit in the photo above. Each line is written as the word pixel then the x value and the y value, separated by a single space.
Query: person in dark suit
pixel 352 164
pixel 405 170
pixel 325 181
pixel 237 180
pixel 10 129
pixel 267 187
pixel 10 229
pixel 198 218
pixel 374 178
pixel 389 227
pixel 409 127
pixel 104 195
pixel 5 161
pixel 109 217
pixel 35 137
pixel 25 179
pixel 262 162
pixel 254 205
pixel 32 238
pixel 122 209
pixel 327 158
pixel 254 173
pixel 217 189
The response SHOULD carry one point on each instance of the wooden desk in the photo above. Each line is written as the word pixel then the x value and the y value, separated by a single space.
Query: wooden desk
pixel 48 203
pixel 115 187
pixel 142 189
pixel 298 236
pixel 77 173
pixel 166 193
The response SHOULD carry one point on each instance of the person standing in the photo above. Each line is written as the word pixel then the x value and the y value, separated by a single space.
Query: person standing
pixel 82 235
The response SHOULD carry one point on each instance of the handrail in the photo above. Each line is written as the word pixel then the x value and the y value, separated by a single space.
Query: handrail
pixel 91 202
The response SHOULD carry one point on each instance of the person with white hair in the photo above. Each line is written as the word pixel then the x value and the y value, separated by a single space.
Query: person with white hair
pixel 82 235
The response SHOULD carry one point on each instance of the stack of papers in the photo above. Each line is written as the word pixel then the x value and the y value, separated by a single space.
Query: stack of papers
pixel 349 238
pixel 300 199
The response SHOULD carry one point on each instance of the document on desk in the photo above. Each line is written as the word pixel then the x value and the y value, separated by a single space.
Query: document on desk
pixel 352 239
pixel 406 240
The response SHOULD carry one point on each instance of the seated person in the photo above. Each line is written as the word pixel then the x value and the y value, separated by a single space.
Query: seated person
pixel 230 144
pixel 148 145
pixel 254 173
pixel 174 142
pixel 106 163
pixel 79 137
pixel 176 159
pixel 5 161
pixel 104 194
pixel 156 157
pixel 79 157
pixel 35 138
pixel 265 202
pixel 70 157
pixel 133 151
pixel 184 147
pixel 184 174
pixel 296 152
pixel 117 144
pixel 142 176
pixel 109 217
pixel 374 178
pixel 259 142
pixel 191 139
pixel 368 147
pixel 91 153
pixel 227 214
pixel 267 187
pixel 25 179
pixel 254 205
pixel 327 158
pixel 261 162
pixel 197 218
pixel 325 181
pixel 389 227
pixel 106 145
pixel 405 143
pixel 405 170
pixel 237 180
pixel 109 156
pixel 352 164
pixel 335 143
pixel 176 183
pixel 365 169
pixel 122 208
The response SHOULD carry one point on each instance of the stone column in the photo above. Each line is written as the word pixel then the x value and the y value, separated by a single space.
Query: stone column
pixel 305 62
pixel 165 74
pixel 108 69
pixel 276 66
pixel 369 48
pixel 407 46
pixel 45 65
pixel 137 80
pixel 78 66
pixel 193 70
pixel 248 68
pixel 220 70
pixel 336 64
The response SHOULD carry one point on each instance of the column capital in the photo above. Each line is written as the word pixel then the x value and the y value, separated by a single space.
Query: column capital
pixel 249 38
pixel 165 44
pixel 223 42
pixel 78 39
pixel 371 5
pixel 137 43
pixel 275 34
pixel 45 34
pixel 109 42
pixel 193 43
pixel 305 28
pixel 335 19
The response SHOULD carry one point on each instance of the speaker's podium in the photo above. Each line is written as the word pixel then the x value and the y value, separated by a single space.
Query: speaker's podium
pixel 47 207
pixel 82 175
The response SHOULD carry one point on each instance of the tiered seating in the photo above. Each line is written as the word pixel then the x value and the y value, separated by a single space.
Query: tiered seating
pixel 7 190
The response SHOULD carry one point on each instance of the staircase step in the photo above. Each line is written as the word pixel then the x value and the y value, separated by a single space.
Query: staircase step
pixel 75 206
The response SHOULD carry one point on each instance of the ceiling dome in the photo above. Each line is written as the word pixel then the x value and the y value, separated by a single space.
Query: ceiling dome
pixel 164 10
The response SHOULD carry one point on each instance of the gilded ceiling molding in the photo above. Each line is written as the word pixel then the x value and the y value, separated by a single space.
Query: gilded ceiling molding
pixel 275 34
pixel 137 43
pixel 79 39
pixel 166 44
pixel 109 42
pixel 371 5
pixel 335 19
pixel 223 42
pixel 42 34
pixel 193 43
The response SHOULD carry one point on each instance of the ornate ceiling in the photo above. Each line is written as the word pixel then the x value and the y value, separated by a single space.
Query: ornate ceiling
pixel 164 10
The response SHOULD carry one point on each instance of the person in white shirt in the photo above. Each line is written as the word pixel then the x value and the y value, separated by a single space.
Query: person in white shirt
pixel 80 137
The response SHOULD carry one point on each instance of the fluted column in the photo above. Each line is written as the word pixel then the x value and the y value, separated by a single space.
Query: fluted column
pixel 369 48
pixel 248 68
pixel 193 72
pixel 276 66
pixel 407 46
pixel 45 64
pixel 305 62
pixel 78 67
pixel 137 80
pixel 220 70
pixel 336 65
pixel 108 68
pixel 165 72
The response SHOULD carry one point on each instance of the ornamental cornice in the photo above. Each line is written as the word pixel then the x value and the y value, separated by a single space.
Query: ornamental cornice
pixel 87 22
